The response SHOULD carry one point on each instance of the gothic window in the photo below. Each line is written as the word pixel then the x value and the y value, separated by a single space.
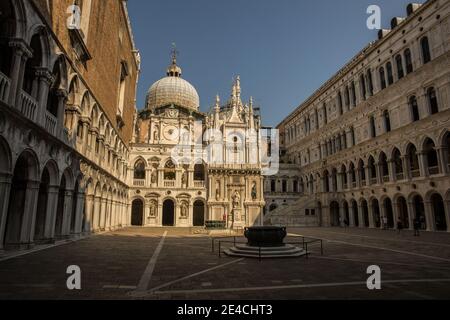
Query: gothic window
pixel 340 103
pixel 169 170
pixel 382 78
pixel 387 121
pixel 390 75
pixel 425 46
pixel 408 61
pixel 373 132
pixel 353 94
pixel 399 62
pixel 370 80
pixel 415 116
pixel 139 170
pixel 362 83
pixel 122 86
pixel 432 101
pixel 431 156
pixel 325 114
pixel 199 172
pixel 272 185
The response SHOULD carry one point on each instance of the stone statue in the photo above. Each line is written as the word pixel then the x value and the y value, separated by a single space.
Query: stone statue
pixel 184 210
pixel 154 177
pixel 236 200
pixel 152 209
pixel 254 192
pixel 184 177
pixel 218 191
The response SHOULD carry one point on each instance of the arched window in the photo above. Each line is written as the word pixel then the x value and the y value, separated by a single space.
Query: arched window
pixel 53 99
pixel 199 172
pixel 362 83
pixel 284 186
pixel 169 171
pixel 347 97
pixel 413 161
pixel 387 121
pixel 414 108
pixel 272 186
pixel 344 177
pixel 390 75
pixel 373 132
pixel 431 155
pixel 353 94
pixel 139 170
pixel 432 101
pixel 370 80
pixel 398 164
pixel 408 61
pixel 325 114
pixel 326 181
pixel 425 46
pixel 340 103
pixel 352 135
pixel 399 62
pixel 384 167
pixel 382 78
pixel 362 172
pixel 80 130
pixel 334 180
pixel 352 175
pixel 372 171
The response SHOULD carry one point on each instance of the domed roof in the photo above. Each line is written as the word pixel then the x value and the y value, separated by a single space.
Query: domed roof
pixel 172 90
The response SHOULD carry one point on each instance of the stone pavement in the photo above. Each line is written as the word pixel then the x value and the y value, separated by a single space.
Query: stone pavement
pixel 136 263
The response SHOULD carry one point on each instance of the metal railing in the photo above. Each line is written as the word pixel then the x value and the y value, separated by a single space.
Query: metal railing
pixel 4 87
pixel 305 242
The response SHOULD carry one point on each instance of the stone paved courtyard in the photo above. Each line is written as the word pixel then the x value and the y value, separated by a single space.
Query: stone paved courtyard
pixel 139 263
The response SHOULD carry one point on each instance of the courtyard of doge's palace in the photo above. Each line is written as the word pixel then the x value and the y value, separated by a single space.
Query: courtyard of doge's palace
pixel 139 196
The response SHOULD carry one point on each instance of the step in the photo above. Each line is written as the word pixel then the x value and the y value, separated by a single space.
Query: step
pixel 272 253
pixel 301 253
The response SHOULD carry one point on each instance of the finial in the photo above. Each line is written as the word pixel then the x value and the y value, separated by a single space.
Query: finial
pixel 174 53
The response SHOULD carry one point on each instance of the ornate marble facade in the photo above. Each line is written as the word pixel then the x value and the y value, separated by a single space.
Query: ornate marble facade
pixel 188 167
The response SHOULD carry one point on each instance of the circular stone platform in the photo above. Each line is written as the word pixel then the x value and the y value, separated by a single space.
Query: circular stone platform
pixel 247 251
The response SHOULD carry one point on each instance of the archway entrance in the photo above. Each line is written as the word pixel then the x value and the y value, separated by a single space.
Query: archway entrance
pixel 137 212
pixel 365 213
pixel 199 214
pixel 389 211
pixel 334 211
pixel 168 213
pixel 437 204
pixel 18 194
pixel 39 225
pixel 376 213
pixel 403 212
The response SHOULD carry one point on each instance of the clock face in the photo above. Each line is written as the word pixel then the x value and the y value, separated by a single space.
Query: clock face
pixel 171 133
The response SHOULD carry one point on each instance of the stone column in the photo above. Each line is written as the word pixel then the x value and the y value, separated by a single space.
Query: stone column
pixel 411 214
pixel 88 224
pixel 45 79
pixel 442 153
pixel 379 173
pixel 392 173
pixel 429 216
pixel 68 202
pixel 96 215
pixel 50 216
pixel 423 164
pixel 62 99
pixel 361 220
pixel 371 218
pixel 351 213
pixel 31 198
pixel 406 169
pixel 79 213
pixel 5 188
pixel 21 53
pixel 102 214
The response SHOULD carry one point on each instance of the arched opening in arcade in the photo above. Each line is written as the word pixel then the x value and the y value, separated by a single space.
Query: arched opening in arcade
pixel 355 213
pixel 389 212
pixel 365 213
pixel 419 211
pixel 402 209
pixel 199 214
pixel 334 214
pixel 376 213
pixel 168 213
pixel 438 210
pixel 137 212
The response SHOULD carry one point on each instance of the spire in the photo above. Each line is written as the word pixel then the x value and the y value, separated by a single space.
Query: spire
pixel 174 70
pixel 217 106
pixel 238 88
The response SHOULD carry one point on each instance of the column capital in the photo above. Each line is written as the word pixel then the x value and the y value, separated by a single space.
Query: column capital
pixel 21 48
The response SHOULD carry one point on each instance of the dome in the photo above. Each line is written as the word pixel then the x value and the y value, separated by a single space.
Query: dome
pixel 172 90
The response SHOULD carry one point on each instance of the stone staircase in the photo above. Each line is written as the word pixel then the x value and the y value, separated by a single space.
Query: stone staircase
pixel 294 214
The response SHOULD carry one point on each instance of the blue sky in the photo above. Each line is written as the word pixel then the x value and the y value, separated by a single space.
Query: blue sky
pixel 283 49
